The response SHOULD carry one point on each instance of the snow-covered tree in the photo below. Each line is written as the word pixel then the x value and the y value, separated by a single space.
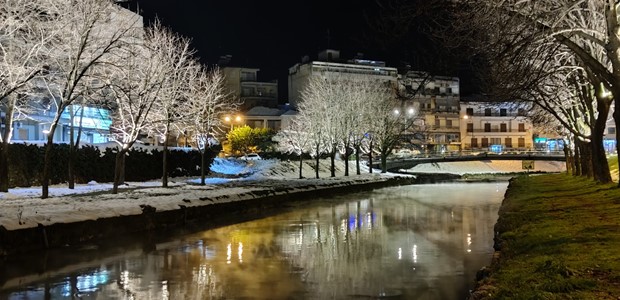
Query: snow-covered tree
pixel 295 139
pixel 137 87
pixel 533 41
pixel 207 104
pixel 24 37
pixel 89 37
pixel 177 54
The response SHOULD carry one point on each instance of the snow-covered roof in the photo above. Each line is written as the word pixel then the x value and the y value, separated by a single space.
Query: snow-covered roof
pixel 264 111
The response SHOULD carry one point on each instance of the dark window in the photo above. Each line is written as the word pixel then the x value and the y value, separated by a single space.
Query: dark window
pixel 611 130
pixel 508 142
pixel 487 111
pixel 521 127
pixel 449 123
pixel 485 142
pixel 469 112
pixel 474 142
pixel 470 127
pixel 502 112
pixel 487 127
pixel 502 127
pixel 521 143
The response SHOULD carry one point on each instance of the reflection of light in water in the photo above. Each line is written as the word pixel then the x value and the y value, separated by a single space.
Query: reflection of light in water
pixel 201 277
pixel 400 253
pixel 468 242
pixel 415 253
pixel 240 250
pixel 164 290
pixel 125 278
pixel 89 282
pixel 369 220
pixel 229 253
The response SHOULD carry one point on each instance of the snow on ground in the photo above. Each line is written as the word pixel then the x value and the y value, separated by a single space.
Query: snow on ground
pixel 22 207
pixel 232 180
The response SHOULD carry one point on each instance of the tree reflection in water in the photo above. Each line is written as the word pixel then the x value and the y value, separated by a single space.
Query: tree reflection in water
pixel 419 241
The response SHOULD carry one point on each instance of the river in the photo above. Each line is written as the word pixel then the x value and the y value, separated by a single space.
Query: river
pixel 407 242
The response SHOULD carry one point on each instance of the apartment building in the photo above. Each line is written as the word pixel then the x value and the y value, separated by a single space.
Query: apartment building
pixel 330 64
pixel 495 127
pixel 436 101
pixel 242 83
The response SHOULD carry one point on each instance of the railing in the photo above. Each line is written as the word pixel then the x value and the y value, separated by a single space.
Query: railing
pixel 493 130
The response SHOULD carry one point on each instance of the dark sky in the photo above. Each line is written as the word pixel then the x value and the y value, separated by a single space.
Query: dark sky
pixel 274 35
pixel 270 35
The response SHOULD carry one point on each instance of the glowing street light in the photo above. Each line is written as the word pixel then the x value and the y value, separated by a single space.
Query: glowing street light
pixel 232 120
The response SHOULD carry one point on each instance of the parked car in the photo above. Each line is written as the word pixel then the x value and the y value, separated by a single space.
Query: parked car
pixel 252 156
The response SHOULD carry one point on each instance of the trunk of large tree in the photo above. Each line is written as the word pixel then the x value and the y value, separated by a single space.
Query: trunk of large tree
pixel 346 162
pixel 600 167
pixel 73 146
pixel 316 167
pixel 617 119
pixel 357 160
pixel 585 158
pixel 383 162
pixel 119 166
pixel 568 156
pixel 301 165
pixel 370 158
pixel 164 175
pixel 332 159
pixel 576 158
pixel 203 171
pixel 47 161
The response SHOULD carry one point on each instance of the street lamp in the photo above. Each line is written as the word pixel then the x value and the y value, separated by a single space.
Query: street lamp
pixel 232 120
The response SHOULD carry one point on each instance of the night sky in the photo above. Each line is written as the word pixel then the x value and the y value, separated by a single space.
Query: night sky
pixel 274 35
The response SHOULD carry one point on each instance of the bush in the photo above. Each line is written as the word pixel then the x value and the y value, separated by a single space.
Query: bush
pixel 26 164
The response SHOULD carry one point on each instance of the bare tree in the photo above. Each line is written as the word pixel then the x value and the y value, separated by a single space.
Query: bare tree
pixel 295 139
pixel 177 54
pixel 137 87
pixel 587 30
pixel 24 38
pixel 90 33
pixel 207 104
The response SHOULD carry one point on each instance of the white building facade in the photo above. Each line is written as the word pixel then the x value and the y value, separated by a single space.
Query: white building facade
pixel 495 127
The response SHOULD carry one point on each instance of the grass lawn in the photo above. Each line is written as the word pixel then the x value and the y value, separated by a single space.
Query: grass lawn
pixel 560 239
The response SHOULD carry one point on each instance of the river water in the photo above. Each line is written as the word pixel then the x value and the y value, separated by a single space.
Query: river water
pixel 407 242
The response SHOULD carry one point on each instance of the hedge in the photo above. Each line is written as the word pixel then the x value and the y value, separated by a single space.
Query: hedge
pixel 26 164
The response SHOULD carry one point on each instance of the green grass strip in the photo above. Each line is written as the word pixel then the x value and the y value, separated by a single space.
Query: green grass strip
pixel 559 238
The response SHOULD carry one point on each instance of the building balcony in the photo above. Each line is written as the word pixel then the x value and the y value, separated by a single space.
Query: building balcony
pixel 496 114
pixel 495 130
pixel 444 129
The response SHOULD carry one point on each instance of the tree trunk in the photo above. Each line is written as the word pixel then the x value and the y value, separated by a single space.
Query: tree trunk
pixel 346 162
pixel 46 161
pixel 568 157
pixel 600 166
pixel 119 165
pixel 585 151
pixel 617 120
pixel 318 158
pixel 357 160
pixel 332 167
pixel 4 167
pixel 383 162
pixel 203 173
pixel 73 146
pixel 71 178
pixel 370 158
pixel 164 175
pixel 577 158
pixel 301 165
pixel 123 162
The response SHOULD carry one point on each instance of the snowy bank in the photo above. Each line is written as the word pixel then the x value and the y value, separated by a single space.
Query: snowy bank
pixel 28 223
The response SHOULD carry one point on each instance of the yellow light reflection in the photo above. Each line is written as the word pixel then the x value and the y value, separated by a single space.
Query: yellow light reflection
pixel 240 252
pixel 229 253
pixel 400 253
pixel 165 295
pixel 415 253
pixel 468 242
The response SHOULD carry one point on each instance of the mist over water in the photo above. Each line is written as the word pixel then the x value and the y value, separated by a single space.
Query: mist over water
pixel 408 242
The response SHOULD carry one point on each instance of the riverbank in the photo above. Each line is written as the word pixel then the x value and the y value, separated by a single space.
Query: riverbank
pixel 29 223
pixel 557 237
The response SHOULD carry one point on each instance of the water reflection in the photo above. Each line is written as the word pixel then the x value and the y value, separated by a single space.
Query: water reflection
pixel 422 242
